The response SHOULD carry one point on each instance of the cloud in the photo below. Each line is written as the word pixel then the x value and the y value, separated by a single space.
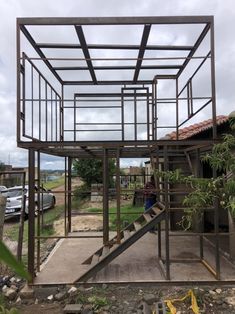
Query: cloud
pixel 224 39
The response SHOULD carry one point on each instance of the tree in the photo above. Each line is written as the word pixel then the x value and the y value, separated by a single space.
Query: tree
pixel 205 191
pixel 2 166
pixel 90 170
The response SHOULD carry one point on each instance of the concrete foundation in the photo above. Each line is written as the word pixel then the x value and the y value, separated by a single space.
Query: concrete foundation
pixel 139 263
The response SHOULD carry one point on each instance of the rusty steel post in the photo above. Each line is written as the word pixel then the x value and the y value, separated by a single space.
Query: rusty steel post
pixel 167 248
pixel 69 194
pixel 40 207
pixel 21 224
pixel 105 198
pixel 31 209
pixel 118 195
pixel 213 89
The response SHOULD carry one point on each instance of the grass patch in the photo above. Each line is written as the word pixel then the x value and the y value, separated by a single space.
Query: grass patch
pixel 54 184
pixel 125 218
pixel 49 217
pixel 97 302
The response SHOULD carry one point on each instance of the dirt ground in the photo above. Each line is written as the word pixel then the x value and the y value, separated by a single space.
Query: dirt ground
pixel 138 299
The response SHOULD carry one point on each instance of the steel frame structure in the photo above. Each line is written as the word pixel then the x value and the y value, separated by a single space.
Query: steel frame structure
pixel 46 133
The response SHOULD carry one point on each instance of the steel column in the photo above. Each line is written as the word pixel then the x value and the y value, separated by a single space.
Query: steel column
pixel 40 207
pixel 69 194
pixel 213 89
pixel 18 92
pixel 31 209
pixel 21 225
pixel 216 224
pixel 167 249
pixel 177 107
pixel 105 197
pixel 118 195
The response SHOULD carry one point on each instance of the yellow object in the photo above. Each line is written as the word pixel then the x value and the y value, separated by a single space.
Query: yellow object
pixel 193 306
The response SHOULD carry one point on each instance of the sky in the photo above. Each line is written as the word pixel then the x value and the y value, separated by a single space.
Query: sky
pixel 223 11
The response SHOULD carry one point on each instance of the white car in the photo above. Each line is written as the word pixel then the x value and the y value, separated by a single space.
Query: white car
pixel 14 200
pixel 2 188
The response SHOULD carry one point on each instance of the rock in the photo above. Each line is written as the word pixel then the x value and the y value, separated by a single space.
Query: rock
pixel 81 289
pixel 72 291
pixel 60 296
pixel 113 298
pixel 149 298
pixel 87 309
pixel 14 287
pixel 10 294
pixel 4 288
pixel 212 292
pixel 36 301
pixel 26 293
pixel 12 279
pixel 230 300
pixel 219 302
pixel 73 308
pixel 218 290
pixel 18 301
pixel 50 297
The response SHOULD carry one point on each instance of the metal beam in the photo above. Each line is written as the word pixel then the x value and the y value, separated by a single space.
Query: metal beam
pixel 197 44
pixel 143 45
pixel 120 67
pixel 170 77
pixel 109 95
pixel 114 144
pixel 127 20
pixel 112 47
pixel 86 53
pixel 40 53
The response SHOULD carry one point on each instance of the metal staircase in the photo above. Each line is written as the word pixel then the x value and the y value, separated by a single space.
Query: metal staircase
pixel 129 235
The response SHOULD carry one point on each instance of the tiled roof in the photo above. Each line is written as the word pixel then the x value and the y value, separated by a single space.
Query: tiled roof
pixel 196 128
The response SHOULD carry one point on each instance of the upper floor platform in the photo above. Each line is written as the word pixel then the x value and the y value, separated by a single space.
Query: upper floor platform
pixel 86 84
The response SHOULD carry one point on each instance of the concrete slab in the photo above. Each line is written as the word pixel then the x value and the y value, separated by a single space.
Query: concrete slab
pixel 139 263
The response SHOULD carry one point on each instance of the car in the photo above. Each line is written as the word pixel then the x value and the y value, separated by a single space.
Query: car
pixel 2 188
pixel 14 200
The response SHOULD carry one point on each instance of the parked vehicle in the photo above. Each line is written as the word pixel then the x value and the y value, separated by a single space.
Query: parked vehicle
pixel 14 200
pixel 2 188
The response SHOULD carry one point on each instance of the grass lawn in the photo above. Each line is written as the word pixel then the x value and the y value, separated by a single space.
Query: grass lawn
pixel 54 184
pixel 48 215
pixel 125 217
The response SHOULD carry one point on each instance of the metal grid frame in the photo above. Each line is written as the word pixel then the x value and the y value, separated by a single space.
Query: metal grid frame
pixel 118 148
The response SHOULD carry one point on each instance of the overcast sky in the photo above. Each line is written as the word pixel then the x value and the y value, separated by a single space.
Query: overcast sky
pixel 224 12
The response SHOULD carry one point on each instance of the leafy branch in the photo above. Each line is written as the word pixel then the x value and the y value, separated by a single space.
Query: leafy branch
pixel 204 190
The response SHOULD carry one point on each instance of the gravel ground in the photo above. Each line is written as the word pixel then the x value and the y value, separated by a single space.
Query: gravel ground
pixel 117 299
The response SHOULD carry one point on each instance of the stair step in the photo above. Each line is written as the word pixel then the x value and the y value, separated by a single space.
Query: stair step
pixel 137 226
pixel 95 259
pixel 117 249
pixel 105 251
pixel 113 247
pixel 147 217
pixel 156 210
pixel 127 234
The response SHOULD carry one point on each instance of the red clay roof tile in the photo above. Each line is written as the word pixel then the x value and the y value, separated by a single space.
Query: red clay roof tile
pixel 196 128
